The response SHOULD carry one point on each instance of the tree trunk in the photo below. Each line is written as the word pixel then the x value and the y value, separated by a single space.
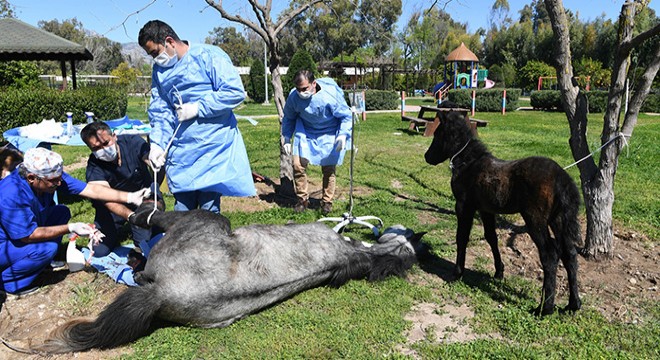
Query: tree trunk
pixel 269 32
pixel 286 188
pixel 598 181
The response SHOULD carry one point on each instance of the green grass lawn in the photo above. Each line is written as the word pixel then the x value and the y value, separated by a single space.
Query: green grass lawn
pixel 365 321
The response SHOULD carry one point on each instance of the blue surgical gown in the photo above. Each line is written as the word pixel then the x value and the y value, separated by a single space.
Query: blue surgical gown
pixel 316 122
pixel 207 153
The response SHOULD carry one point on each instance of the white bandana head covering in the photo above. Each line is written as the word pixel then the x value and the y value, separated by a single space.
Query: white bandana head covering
pixel 43 162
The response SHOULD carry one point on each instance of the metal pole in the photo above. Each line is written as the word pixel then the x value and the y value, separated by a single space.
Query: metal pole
pixel 265 76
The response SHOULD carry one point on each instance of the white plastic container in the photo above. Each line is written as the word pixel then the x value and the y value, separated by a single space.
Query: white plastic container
pixel 69 123
pixel 90 116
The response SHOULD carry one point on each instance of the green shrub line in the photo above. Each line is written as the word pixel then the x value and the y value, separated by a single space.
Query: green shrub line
pixel 485 100
pixel 551 100
pixel 20 107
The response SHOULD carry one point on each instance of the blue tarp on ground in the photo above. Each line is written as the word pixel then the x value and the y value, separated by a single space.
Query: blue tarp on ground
pixel 119 126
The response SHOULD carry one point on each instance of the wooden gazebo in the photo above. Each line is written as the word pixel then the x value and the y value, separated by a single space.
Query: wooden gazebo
pixel 21 41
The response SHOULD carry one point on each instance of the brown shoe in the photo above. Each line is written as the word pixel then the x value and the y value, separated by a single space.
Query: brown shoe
pixel 326 208
pixel 301 206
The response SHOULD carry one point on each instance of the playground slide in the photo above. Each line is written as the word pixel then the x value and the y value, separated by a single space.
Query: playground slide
pixel 489 83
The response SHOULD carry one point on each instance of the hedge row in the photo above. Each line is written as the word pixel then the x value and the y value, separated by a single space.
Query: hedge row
pixel 551 100
pixel 380 99
pixel 20 107
pixel 486 100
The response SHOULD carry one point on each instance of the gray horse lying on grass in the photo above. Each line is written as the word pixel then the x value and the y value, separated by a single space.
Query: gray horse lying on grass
pixel 203 274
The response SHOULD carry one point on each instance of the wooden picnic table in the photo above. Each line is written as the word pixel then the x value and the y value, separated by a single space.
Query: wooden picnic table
pixel 428 117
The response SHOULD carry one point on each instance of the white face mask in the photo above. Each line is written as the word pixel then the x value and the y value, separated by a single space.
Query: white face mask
pixel 108 153
pixel 305 94
pixel 165 60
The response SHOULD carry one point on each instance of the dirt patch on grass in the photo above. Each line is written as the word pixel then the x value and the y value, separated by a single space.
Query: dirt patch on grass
pixel 620 288
pixel 27 320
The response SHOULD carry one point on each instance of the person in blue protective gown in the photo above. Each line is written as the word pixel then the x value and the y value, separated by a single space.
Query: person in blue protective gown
pixel 316 127
pixel 195 87
pixel 32 225
pixel 118 162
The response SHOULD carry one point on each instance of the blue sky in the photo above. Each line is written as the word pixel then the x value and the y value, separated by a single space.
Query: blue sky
pixel 193 20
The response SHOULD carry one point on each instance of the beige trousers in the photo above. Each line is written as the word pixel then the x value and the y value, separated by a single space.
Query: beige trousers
pixel 300 179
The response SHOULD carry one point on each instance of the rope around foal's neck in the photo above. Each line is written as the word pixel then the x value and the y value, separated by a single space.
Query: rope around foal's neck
pixel 451 161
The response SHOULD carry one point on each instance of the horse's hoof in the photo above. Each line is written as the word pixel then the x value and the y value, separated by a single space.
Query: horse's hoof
pixel 543 311
pixel 572 308
pixel 499 275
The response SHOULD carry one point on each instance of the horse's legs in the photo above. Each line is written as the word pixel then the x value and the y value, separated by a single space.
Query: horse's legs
pixel 549 253
pixel 569 259
pixel 488 220
pixel 465 216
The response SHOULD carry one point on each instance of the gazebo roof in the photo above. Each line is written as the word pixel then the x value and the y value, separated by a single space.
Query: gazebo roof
pixel 462 53
pixel 21 41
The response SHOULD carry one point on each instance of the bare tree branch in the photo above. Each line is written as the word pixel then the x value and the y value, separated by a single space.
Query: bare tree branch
pixel 637 40
pixel 284 20
pixel 237 18
pixel 123 23
pixel 641 92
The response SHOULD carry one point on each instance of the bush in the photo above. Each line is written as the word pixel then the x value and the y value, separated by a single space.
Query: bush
pixel 597 101
pixel 256 89
pixel 652 103
pixel 301 60
pixel 20 107
pixel 381 100
pixel 528 75
pixel 545 100
pixel 551 100
pixel 19 74
pixel 486 100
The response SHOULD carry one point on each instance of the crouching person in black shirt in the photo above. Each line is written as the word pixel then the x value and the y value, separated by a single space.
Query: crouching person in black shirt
pixel 119 162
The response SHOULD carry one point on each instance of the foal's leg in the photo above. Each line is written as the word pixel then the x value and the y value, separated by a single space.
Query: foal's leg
pixel 569 259
pixel 465 216
pixel 488 219
pixel 549 253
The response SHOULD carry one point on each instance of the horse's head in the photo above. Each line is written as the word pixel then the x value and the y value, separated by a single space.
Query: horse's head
pixel 451 134
pixel 144 212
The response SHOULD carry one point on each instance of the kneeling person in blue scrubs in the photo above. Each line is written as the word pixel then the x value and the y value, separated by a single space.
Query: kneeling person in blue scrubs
pixel 118 162
pixel 32 225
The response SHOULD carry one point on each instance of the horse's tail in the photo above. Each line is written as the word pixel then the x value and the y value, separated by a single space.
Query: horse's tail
pixel 126 319
pixel 567 210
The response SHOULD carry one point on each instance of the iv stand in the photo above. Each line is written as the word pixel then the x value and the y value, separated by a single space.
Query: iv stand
pixel 347 218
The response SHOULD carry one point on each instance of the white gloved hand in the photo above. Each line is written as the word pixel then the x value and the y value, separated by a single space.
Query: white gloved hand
pixel 136 197
pixel 340 142
pixel 287 148
pixel 187 111
pixel 81 229
pixel 156 156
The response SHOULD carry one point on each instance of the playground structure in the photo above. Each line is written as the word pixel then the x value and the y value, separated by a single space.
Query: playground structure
pixel 463 65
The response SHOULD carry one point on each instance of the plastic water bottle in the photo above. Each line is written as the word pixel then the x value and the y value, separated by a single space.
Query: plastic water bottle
pixel 69 123
pixel 90 116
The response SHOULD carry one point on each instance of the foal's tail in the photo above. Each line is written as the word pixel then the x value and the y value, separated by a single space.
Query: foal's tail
pixel 127 318
pixel 567 211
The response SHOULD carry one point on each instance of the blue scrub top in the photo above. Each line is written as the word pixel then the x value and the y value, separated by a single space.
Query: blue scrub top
pixel 316 122
pixel 207 153
pixel 132 174
pixel 21 211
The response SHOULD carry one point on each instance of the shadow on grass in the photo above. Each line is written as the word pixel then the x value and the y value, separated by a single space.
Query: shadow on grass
pixel 496 289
